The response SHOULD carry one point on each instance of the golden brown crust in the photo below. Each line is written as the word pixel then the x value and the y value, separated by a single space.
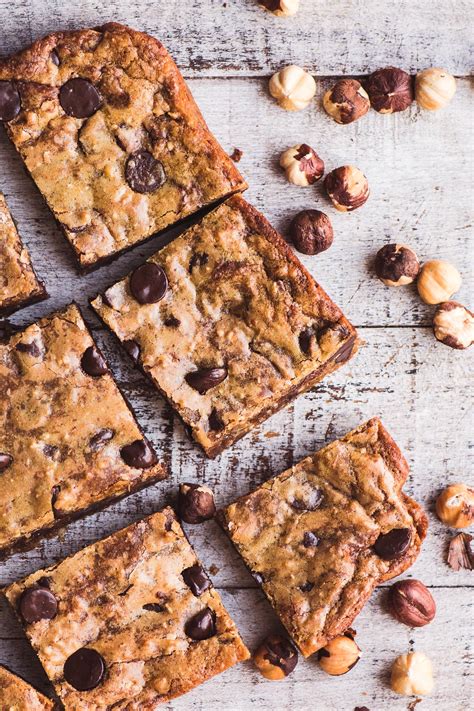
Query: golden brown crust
pixel 17 695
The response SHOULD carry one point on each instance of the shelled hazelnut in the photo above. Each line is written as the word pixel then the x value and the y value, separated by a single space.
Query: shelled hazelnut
pixel 455 506
pixel 412 674
pixel 437 281
pixel 453 325
pixel 311 232
pixel 282 8
pixel 434 88
pixel 292 87
pixel 276 657
pixel 195 503
pixel 339 655
pixel 347 101
pixel 390 90
pixel 411 603
pixel 396 265
pixel 302 165
pixel 347 188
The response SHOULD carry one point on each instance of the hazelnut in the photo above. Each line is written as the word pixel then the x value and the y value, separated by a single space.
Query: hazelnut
pixel 412 674
pixel 453 325
pixel 389 90
pixel 195 503
pixel 434 88
pixel 340 655
pixel 302 165
pixel 396 265
pixel 347 187
pixel 455 506
pixel 460 554
pixel 347 101
pixel 292 87
pixel 276 657
pixel 438 281
pixel 411 603
pixel 311 232
pixel 282 8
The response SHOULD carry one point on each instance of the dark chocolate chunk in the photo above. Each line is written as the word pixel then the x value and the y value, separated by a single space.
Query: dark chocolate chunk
pixel 100 439
pixel 148 283
pixel 393 544
pixel 196 580
pixel 133 349
pixel 32 349
pixel 304 340
pixel 138 455
pixel 199 259
pixel 311 501
pixel 10 103
pixel 306 587
pixel 216 423
pixel 143 172
pixel 310 540
pixel 195 503
pixel 85 669
pixel 345 352
pixel 44 582
pixel 5 461
pixel 201 626
pixel 55 57
pixel 204 379
pixel 38 604
pixel 281 653
pixel 154 607
pixel 258 577
pixel 93 363
pixel 51 451
pixel 172 322
pixel 79 98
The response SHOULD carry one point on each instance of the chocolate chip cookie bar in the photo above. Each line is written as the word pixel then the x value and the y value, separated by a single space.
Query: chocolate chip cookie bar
pixel 228 324
pixel 112 137
pixel 129 622
pixel 321 536
pixel 17 695
pixel 19 285
pixel 68 440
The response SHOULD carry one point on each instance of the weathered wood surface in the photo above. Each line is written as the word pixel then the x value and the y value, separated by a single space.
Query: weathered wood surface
pixel 420 169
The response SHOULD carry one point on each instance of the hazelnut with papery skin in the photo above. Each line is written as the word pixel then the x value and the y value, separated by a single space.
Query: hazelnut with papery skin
pixel 339 655
pixel 282 8
pixel 437 281
pixel 195 503
pixel 455 506
pixel 311 232
pixel 390 90
pixel 453 325
pixel 347 101
pixel 302 165
pixel 396 265
pixel 276 657
pixel 412 674
pixel 347 187
pixel 461 553
pixel 411 603
pixel 434 88
pixel 292 87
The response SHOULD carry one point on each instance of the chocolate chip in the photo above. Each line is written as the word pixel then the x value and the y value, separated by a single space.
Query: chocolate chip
pixel 51 451
pixel 201 626
pixel 55 57
pixel 5 461
pixel 38 604
pixel 154 607
pixel 172 322
pixel 306 587
pixel 304 340
pixel 393 544
pixel 6 330
pixel 148 283
pixel 93 363
pixel 258 577
pixel 310 540
pixel 44 582
pixel 216 423
pixel 85 669
pixel 280 653
pixel 204 379
pixel 10 103
pixel 79 98
pixel 195 503
pixel 138 455
pixel 133 349
pixel 345 352
pixel 100 439
pixel 196 580
pixel 143 172
pixel 199 259
pixel 32 349
pixel 311 501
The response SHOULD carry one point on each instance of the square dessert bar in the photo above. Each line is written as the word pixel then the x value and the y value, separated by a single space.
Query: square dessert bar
pixel 17 695
pixel 228 324
pixel 321 536
pixel 112 137
pixel 19 285
pixel 68 440
pixel 129 622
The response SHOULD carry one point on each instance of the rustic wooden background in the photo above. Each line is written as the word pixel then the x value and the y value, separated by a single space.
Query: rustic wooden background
pixel 419 166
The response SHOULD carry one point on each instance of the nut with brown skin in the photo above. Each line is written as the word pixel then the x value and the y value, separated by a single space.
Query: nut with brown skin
pixel 311 232
pixel 453 325
pixel 390 90
pixel 292 87
pixel 461 553
pixel 437 281
pixel 339 655
pixel 347 101
pixel 276 657
pixel 396 265
pixel 282 8
pixel 302 165
pixel 195 503
pixel 347 187
pixel 434 88
pixel 412 674
pixel 455 506
pixel 411 603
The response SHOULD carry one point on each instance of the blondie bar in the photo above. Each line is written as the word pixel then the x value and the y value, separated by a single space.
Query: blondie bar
pixel 17 695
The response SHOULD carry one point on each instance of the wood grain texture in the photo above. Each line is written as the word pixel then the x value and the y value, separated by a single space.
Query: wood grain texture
pixel 419 167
